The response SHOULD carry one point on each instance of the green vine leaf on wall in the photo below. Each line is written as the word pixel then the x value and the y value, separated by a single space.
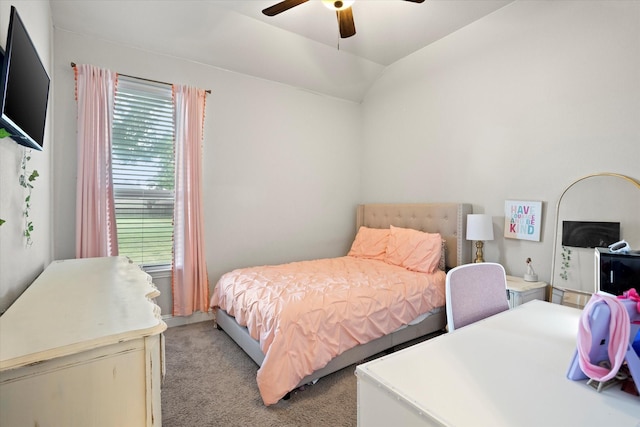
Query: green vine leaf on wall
pixel 26 182
pixel 2 221
pixel 566 263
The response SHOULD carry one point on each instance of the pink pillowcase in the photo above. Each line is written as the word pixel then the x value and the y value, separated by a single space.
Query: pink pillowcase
pixel 414 250
pixel 370 243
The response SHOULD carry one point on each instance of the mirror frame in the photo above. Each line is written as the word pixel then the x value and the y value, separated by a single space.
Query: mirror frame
pixel 581 296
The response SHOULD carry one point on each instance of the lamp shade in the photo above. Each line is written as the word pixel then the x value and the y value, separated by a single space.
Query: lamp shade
pixel 479 227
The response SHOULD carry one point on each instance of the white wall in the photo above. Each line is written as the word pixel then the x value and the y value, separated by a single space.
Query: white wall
pixel 281 165
pixel 19 264
pixel 514 106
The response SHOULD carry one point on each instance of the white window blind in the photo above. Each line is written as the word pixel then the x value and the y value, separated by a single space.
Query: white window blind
pixel 143 170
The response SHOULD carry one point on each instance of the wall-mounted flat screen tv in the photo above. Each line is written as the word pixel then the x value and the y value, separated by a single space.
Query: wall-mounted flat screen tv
pixel 24 87
pixel 589 234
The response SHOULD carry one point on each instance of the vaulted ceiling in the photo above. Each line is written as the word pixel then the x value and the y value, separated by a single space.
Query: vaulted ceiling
pixel 300 47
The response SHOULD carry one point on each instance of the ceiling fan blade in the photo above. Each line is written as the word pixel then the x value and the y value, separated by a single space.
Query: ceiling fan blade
pixel 415 1
pixel 282 6
pixel 345 22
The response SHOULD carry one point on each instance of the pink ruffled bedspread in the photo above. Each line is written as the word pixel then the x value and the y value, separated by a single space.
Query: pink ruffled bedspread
pixel 306 313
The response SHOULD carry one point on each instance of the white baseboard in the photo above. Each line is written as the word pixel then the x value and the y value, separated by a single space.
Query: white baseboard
pixel 196 317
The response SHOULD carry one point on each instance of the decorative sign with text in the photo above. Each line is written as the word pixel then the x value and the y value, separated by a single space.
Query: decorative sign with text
pixel 522 220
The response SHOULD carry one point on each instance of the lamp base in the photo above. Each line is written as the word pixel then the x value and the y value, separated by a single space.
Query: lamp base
pixel 479 254
pixel 530 277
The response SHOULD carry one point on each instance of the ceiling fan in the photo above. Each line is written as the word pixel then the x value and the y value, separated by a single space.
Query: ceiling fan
pixel 342 8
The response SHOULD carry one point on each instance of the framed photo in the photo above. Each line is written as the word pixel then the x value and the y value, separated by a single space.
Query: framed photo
pixel 522 219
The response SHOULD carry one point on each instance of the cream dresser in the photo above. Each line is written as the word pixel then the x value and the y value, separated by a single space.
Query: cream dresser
pixel 82 346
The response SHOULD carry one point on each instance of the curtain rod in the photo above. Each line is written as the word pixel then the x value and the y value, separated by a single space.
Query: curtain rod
pixel 73 65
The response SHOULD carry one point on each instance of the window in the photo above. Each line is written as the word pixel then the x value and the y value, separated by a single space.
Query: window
pixel 143 170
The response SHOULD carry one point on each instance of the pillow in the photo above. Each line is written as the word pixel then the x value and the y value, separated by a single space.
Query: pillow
pixel 414 250
pixel 370 243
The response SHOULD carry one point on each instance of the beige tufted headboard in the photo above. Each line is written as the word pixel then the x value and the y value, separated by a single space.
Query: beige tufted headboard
pixel 448 219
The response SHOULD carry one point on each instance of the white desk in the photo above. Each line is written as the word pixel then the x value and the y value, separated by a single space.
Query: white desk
pixel 507 370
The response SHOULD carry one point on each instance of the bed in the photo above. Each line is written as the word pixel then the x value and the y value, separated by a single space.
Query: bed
pixel 373 303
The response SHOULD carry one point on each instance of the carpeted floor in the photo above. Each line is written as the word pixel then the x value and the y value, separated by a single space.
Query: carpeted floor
pixel 210 381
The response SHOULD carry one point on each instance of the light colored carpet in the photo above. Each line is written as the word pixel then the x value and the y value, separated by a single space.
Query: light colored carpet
pixel 210 381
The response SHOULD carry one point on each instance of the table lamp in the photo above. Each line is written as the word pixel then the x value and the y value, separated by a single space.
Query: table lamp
pixel 479 228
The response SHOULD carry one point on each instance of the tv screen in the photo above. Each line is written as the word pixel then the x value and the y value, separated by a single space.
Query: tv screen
pixel 24 87
pixel 589 234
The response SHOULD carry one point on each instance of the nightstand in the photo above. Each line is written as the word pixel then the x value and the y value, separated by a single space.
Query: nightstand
pixel 521 291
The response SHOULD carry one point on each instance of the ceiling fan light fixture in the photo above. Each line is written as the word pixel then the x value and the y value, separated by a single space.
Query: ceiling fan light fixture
pixel 337 4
